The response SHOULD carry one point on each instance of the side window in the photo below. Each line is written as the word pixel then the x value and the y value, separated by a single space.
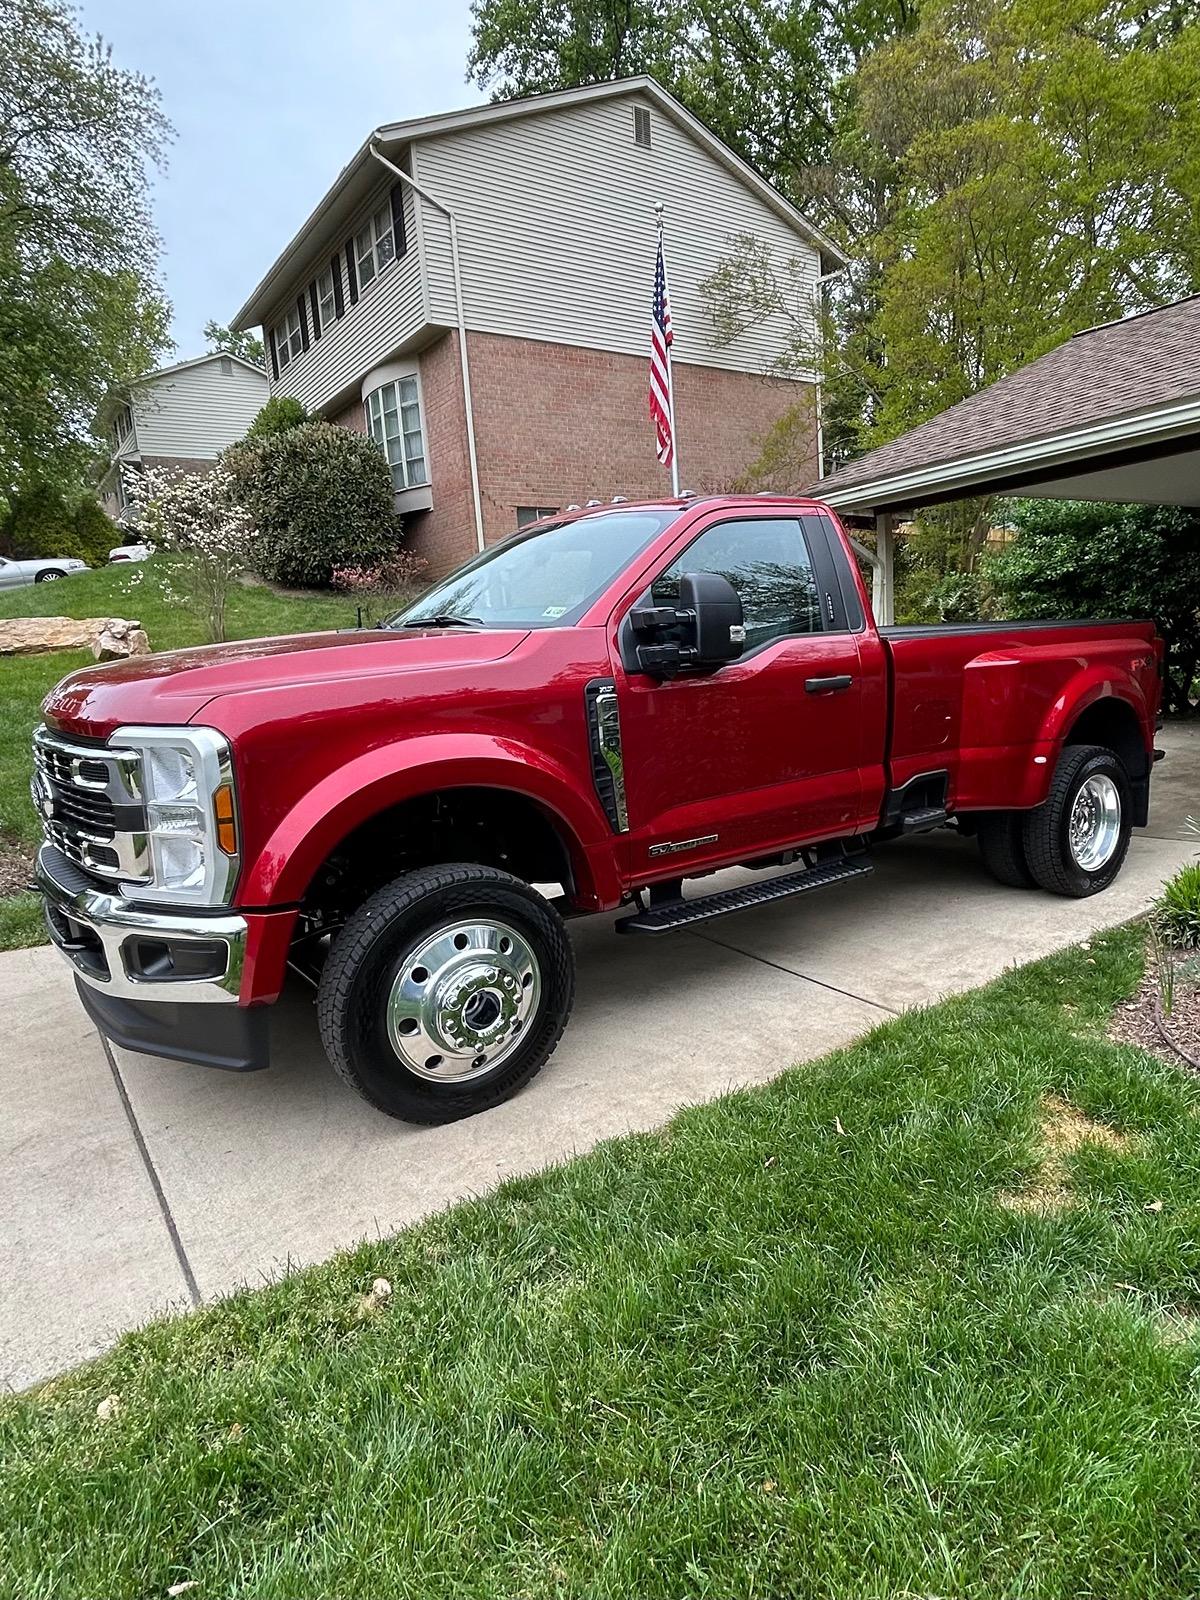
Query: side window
pixel 767 562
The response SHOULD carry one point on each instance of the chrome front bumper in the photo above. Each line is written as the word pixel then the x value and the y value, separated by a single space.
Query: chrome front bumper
pixel 130 954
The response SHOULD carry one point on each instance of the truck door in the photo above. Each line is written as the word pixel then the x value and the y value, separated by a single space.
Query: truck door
pixel 765 752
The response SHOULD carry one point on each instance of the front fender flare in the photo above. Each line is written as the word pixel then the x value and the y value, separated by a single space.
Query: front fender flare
pixel 379 779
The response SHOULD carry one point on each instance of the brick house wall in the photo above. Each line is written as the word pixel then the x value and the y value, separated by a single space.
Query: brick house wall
pixel 561 424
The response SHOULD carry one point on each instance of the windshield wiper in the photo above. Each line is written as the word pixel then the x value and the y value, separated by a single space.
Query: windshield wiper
pixel 444 620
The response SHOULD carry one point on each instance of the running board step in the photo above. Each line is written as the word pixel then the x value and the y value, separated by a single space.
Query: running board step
pixel 672 914
pixel 922 820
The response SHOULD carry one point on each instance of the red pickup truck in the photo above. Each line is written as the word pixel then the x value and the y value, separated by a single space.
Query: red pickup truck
pixel 581 718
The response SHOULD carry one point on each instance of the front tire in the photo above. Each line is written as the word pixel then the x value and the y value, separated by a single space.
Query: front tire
pixel 1075 843
pixel 446 992
pixel 48 577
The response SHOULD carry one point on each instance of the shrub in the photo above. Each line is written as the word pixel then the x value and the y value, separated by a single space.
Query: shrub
pixel 281 412
pixel 43 522
pixel 1177 914
pixel 1080 559
pixel 320 497
pixel 386 587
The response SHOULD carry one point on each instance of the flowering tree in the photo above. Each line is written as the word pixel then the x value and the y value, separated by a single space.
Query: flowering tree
pixel 195 518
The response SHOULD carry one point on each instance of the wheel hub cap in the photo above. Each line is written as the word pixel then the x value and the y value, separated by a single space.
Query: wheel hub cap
pixel 1095 825
pixel 461 999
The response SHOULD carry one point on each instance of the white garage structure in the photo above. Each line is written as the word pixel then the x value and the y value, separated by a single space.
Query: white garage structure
pixel 1111 414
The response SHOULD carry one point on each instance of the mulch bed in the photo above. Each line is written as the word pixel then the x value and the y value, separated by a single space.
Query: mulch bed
pixel 16 866
pixel 1174 1037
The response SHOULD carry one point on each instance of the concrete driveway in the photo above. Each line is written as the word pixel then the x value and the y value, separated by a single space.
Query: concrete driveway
pixel 130 1186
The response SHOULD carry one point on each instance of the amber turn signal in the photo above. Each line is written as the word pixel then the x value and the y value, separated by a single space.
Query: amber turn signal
pixel 226 823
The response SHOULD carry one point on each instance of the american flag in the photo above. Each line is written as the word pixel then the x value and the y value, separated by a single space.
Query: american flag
pixel 661 339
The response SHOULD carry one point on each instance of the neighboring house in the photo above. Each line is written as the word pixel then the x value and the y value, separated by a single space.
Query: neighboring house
pixel 181 416
pixel 553 201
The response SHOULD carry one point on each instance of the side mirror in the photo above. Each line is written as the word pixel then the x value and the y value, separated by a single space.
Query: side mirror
pixel 706 629
pixel 712 606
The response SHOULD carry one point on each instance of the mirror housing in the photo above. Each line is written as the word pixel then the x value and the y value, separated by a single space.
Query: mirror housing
pixel 705 630
pixel 713 608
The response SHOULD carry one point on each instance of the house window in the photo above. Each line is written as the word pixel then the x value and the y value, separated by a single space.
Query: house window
pixel 641 126
pixel 289 339
pixel 394 418
pixel 326 299
pixel 122 428
pixel 528 514
pixel 374 246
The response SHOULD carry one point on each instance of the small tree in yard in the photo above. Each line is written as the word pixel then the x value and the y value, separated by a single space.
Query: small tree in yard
pixel 281 412
pixel 320 498
pixel 195 517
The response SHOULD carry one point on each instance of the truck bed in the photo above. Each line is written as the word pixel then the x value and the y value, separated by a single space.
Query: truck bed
pixel 1001 687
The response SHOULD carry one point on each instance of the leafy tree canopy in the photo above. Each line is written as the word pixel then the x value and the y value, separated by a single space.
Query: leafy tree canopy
pixel 81 308
pixel 224 341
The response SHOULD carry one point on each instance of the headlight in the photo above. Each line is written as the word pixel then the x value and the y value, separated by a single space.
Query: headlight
pixel 187 788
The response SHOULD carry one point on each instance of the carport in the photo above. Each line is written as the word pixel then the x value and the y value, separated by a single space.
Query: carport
pixel 1111 414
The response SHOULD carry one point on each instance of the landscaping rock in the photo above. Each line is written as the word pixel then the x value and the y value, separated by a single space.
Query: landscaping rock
pixel 106 637
pixel 119 639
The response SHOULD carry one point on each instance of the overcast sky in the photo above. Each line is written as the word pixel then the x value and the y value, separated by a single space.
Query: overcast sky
pixel 270 99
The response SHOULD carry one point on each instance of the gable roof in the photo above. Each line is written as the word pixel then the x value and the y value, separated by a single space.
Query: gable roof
pixel 1109 387
pixel 196 361
pixel 353 183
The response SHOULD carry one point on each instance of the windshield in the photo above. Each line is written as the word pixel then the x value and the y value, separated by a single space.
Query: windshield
pixel 544 578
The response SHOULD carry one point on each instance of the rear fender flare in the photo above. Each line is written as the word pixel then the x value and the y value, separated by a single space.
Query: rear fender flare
pixel 382 778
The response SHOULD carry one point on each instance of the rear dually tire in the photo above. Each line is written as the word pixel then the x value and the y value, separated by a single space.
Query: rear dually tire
pixel 1075 843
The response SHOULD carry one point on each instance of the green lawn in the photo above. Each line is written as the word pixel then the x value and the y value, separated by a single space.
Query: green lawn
pixel 112 591
pixel 801 1343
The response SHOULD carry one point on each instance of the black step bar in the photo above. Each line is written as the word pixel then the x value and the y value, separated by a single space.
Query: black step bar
pixel 672 914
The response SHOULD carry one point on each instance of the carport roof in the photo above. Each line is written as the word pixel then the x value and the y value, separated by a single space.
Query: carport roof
pixel 1112 413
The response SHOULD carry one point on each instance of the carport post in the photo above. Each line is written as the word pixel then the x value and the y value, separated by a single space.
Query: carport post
pixel 883 579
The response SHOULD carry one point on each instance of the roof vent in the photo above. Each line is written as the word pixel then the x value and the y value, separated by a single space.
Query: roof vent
pixel 226 364
pixel 641 126
pixel 574 508
pixel 620 500
pixel 594 503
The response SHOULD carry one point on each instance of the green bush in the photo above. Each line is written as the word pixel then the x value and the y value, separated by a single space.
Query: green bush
pixel 281 412
pixel 42 523
pixel 320 497
pixel 1084 559
pixel 1177 914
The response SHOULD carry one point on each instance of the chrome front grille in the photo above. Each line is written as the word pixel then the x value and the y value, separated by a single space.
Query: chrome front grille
pixel 90 803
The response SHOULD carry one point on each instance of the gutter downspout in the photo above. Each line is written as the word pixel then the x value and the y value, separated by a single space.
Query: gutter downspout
pixel 437 205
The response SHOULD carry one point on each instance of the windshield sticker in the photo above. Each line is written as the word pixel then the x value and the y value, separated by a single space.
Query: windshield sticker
pixel 555 611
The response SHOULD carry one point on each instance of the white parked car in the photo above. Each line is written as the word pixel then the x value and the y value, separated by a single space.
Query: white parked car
pixel 15 573
pixel 130 552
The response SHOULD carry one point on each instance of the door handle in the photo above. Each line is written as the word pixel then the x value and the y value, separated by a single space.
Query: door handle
pixel 828 685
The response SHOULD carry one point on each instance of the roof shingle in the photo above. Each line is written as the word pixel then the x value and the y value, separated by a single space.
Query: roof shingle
pixel 1146 360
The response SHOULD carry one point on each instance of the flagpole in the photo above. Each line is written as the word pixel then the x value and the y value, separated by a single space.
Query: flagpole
pixel 658 214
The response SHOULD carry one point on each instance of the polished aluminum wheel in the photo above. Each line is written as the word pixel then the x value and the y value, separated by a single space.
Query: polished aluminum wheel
pixel 462 999
pixel 1095 826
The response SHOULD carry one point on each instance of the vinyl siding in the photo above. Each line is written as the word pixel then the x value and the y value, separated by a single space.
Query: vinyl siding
pixel 390 313
pixel 196 413
pixel 557 241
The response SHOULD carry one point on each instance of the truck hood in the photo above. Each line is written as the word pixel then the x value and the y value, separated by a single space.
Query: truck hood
pixel 176 685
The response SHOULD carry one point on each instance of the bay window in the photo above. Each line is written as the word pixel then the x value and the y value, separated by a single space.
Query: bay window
pixel 394 420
